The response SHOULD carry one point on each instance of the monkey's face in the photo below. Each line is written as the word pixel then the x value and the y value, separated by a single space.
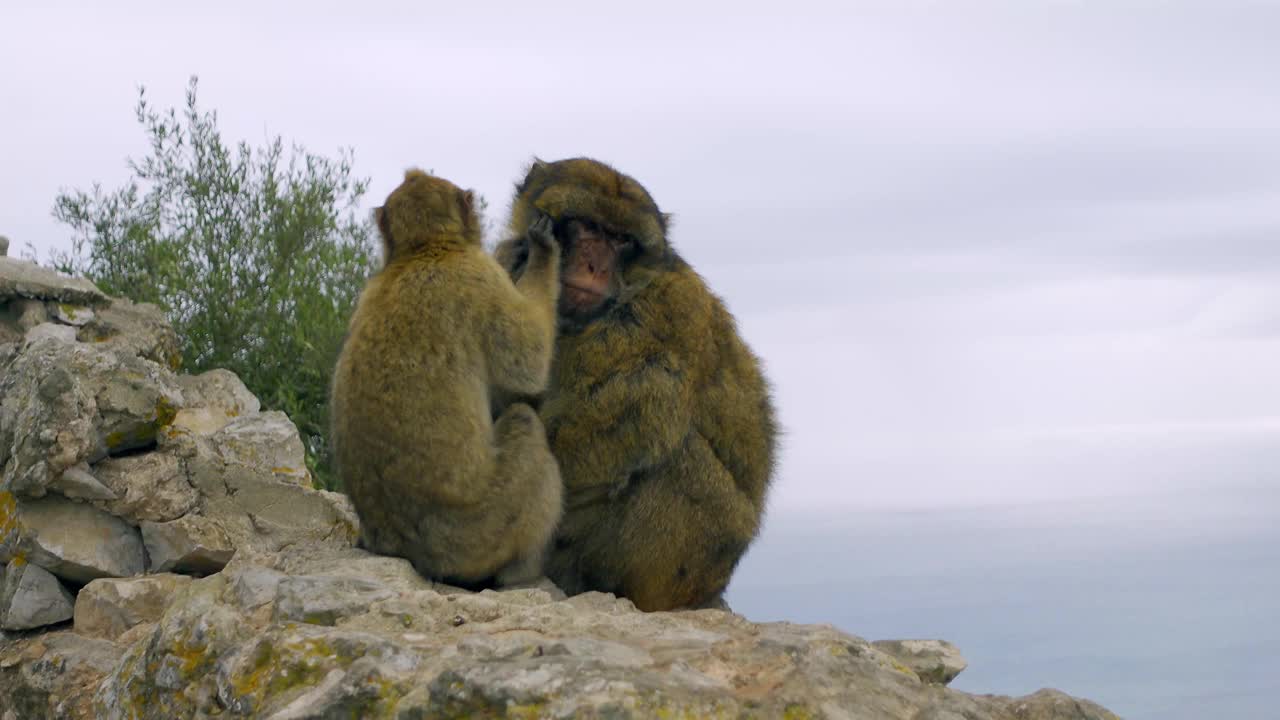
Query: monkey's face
pixel 593 260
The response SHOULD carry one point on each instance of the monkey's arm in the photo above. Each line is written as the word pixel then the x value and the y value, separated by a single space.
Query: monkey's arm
pixel 518 345
pixel 512 254
pixel 522 337
pixel 625 424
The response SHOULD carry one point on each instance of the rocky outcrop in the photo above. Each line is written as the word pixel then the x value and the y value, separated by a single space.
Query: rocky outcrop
pixel 933 661
pixel 112 465
pixel 165 555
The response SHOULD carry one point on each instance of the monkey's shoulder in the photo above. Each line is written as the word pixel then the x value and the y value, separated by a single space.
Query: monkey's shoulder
pixel 459 270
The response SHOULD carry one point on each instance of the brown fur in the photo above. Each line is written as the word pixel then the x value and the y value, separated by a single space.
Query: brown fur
pixel 658 413
pixel 436 333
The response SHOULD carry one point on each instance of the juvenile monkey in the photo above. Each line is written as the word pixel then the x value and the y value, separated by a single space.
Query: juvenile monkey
pixel 657 411
pixel 436 334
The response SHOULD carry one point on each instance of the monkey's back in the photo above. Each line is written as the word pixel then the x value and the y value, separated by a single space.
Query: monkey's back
pixel 731 403
pixel 410 395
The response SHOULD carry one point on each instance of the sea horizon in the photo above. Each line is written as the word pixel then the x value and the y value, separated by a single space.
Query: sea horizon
pixel 1158 605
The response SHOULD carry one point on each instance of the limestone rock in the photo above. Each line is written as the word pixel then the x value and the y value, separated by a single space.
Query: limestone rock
pixel 31 597
pixel 267 440
pixel 74 541
pixel 4 246
pixel 190 544
pixel 323 600
pixel 63 404
pixel 19 278
pixel 934 661
pixel 107 608
pixel 198 421
pixel 392 647
pixel 258 503
pixel 68 314
pixel 79 482
pixel 1048 704
pixel 139 329
pixel 220 391
pixel 254 586
pixel 27 313
pixel 53 676
pixel 61 333
pixel 10 337
pixel 152 486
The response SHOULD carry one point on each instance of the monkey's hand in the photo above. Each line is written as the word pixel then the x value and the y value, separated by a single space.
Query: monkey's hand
pixel 513 255
pixel 541 234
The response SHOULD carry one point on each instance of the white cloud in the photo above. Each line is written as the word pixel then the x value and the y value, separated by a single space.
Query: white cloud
pixel 988 250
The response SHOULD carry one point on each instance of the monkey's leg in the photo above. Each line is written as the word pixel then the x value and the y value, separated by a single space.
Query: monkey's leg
pixel 530 482
pixel 677 535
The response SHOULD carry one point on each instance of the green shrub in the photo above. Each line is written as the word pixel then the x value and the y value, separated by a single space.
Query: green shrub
pixel 256 254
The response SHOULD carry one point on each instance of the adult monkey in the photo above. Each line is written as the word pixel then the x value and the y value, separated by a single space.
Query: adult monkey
pixel 657 411
pixel 466 497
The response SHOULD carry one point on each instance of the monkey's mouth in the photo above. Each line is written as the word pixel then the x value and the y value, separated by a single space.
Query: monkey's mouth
pixel 579 301
pixel 579 290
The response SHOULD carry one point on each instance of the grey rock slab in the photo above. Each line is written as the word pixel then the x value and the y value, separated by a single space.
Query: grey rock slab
pixel 138 329
pixel 152 486
pixel 54 675
pixel 199 421
pixel 27 313
pixel 108 607
pixel 63 404
pixel 212 400
pixel 190 544
pixel 323 600
pixel 61 333
pixel 19 278
pixel 134 403
pixel 267 441
pixel 254 586
pixel 257 508
pixel 219 390
pixel 8 351
pixel 337 560
pixel 77 542
pixel 31 597
pixel 937 662
pixel 78 482
pixel 48 414
pixel 68 314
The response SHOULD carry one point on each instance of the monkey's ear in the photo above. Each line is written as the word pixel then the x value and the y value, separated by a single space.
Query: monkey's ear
pixel 537 169
pixel 384 229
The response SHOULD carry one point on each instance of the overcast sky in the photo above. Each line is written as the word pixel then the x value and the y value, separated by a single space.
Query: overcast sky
pixel 988 251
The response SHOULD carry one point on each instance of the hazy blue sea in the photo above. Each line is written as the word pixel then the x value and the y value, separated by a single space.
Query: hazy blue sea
pixel 1159 607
